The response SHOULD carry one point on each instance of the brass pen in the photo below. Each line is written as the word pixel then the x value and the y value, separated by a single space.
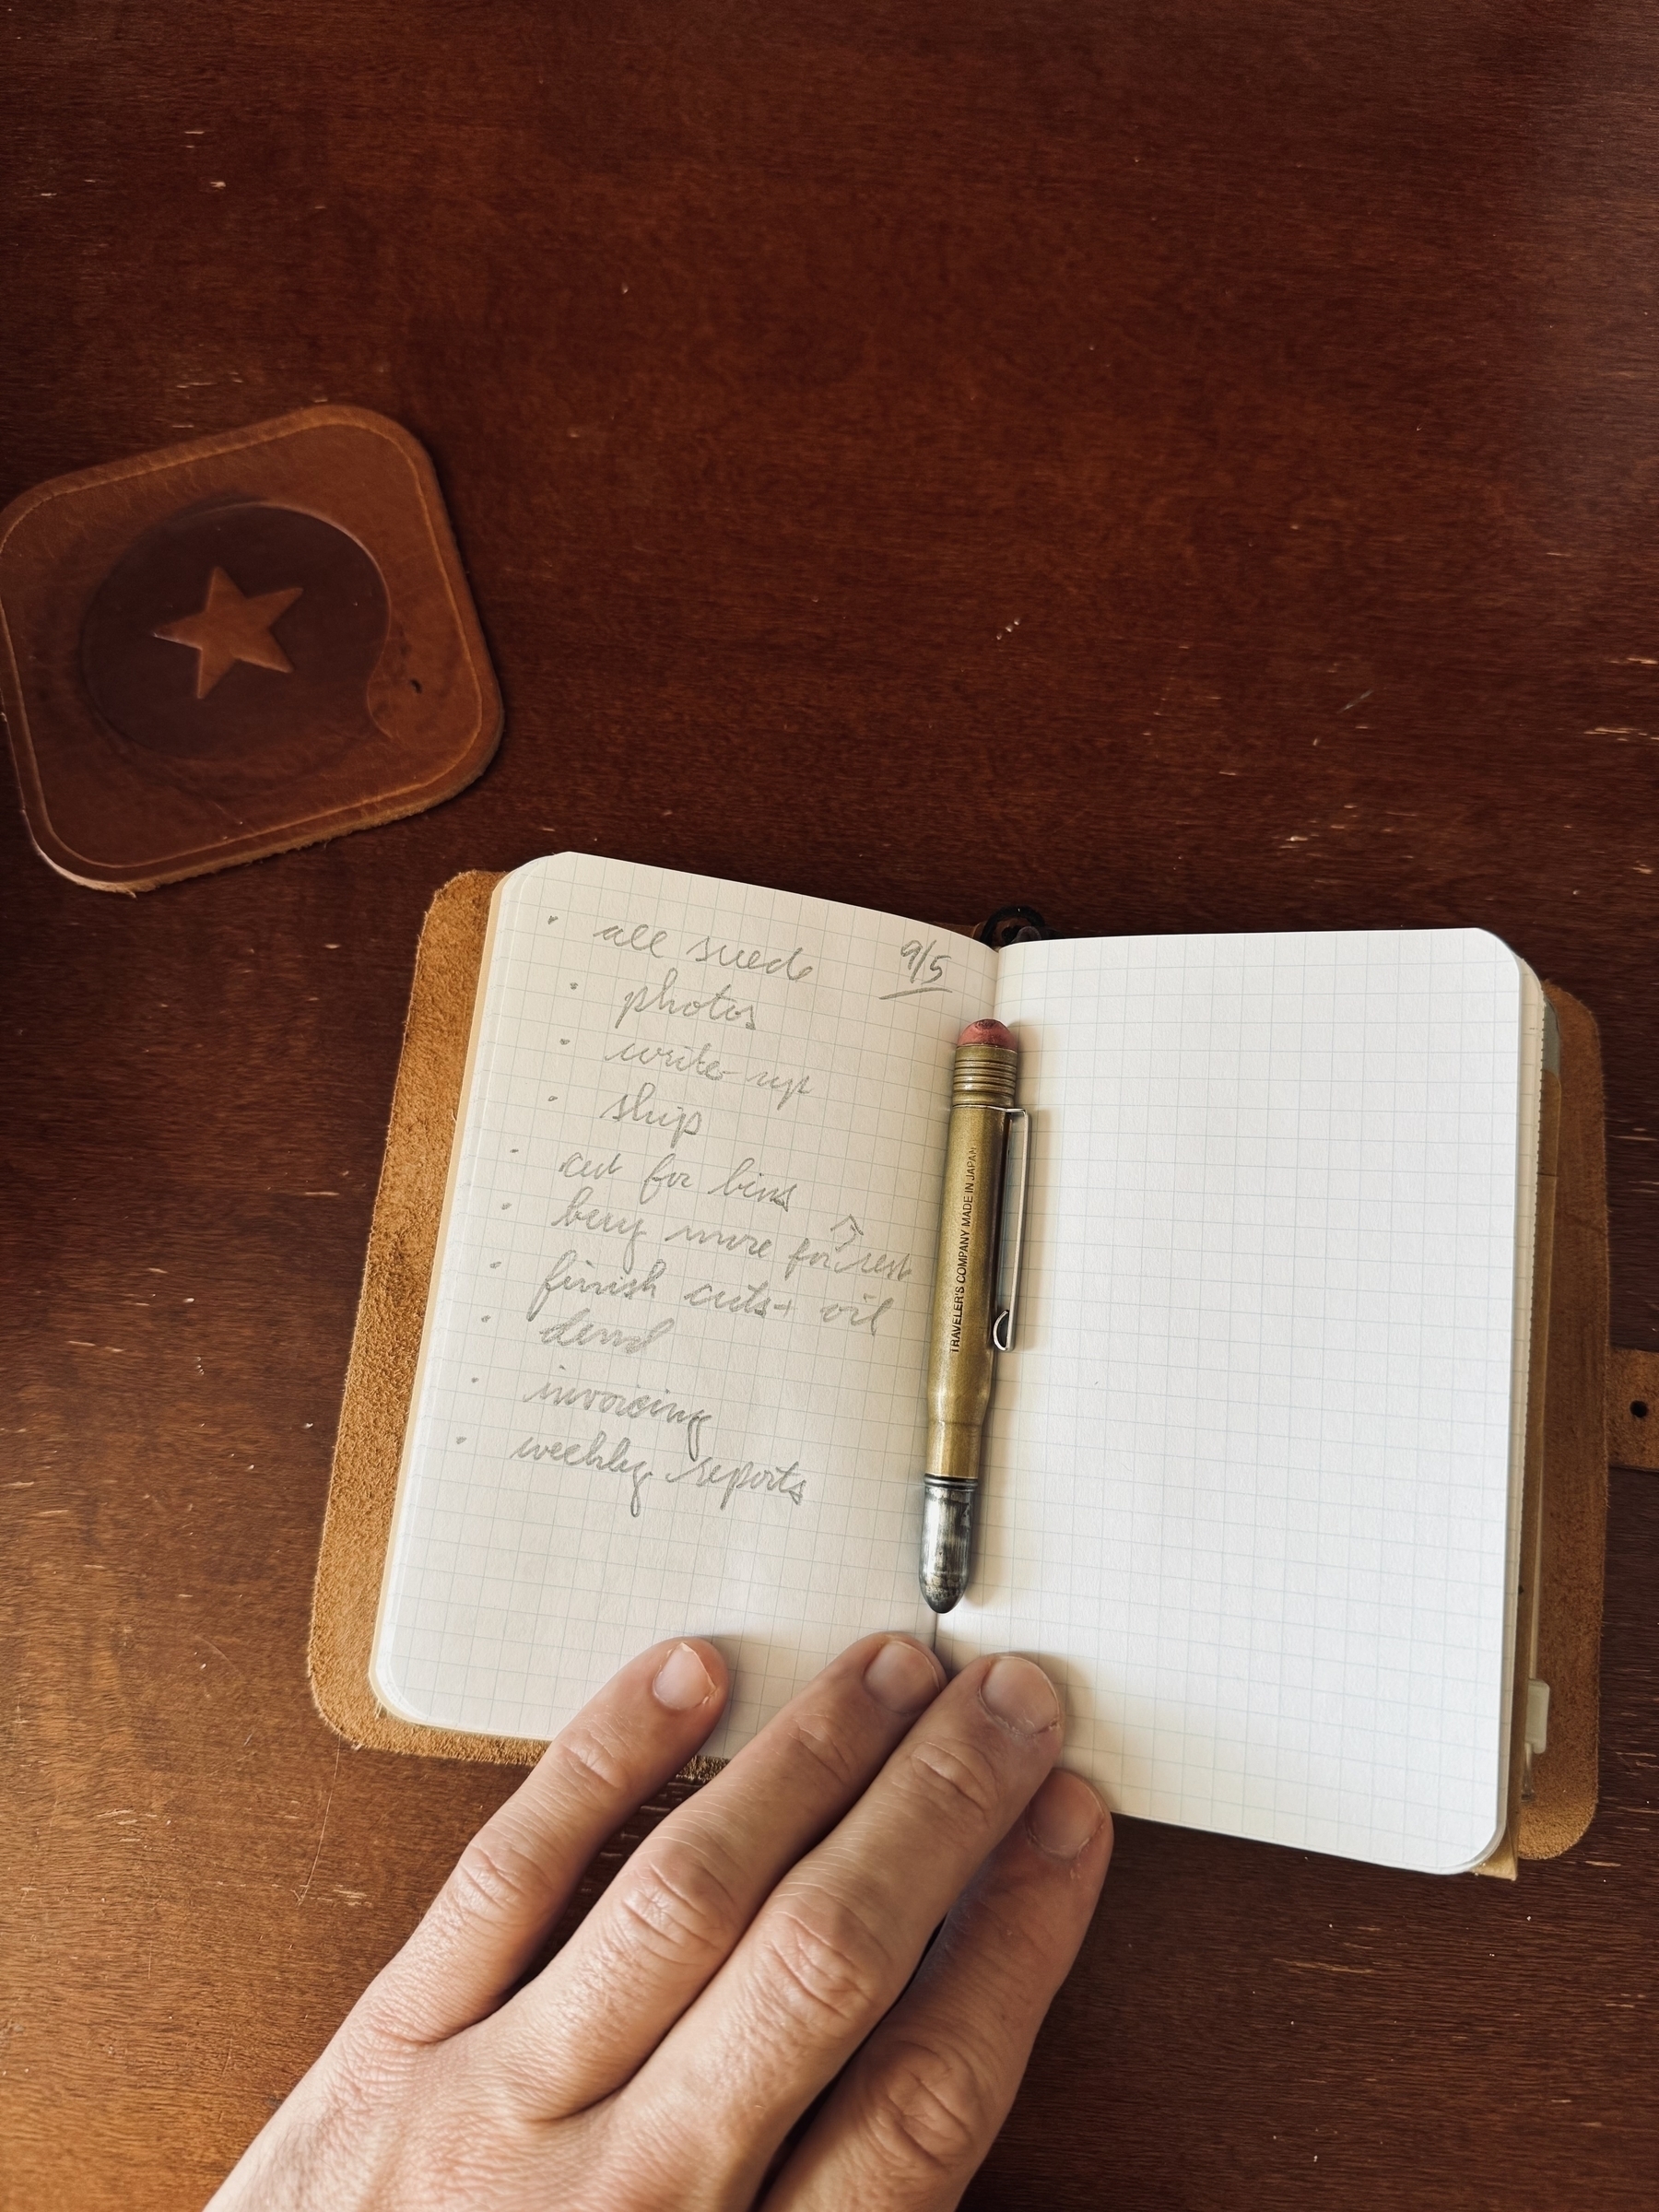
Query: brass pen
pixel 982 1214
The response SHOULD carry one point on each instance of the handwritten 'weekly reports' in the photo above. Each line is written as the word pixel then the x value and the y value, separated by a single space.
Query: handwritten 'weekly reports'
pixel 663 1209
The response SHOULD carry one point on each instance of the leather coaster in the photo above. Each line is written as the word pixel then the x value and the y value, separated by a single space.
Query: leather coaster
pixel 237 646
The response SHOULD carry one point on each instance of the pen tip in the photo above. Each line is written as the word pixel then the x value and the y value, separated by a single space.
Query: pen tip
pixel 947 1540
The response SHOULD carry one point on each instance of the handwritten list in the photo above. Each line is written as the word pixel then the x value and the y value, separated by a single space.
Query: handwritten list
pixel 670 1380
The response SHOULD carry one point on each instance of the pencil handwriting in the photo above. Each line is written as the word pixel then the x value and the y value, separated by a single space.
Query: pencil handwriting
pixel 742 1183
pixel 749 960
pixel 632 1405
pixel 566 1274
pixel 659 998
pixel 633 936
pixel 924 964
pixel 584 1211
pixel 640 1109
pixel 672 1059
pixel 579 1329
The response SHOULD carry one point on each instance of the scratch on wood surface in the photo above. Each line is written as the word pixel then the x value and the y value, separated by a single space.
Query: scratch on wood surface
pixel 28 1886
pixel 225 1656
pixel 301 1895
pixel 1322 1966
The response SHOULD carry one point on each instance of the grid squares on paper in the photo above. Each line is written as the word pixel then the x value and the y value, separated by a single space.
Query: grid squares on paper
pixel 625 1163
pixel 1250 1476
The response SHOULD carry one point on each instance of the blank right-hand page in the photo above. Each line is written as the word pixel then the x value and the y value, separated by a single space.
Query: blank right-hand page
pixel 1251 1475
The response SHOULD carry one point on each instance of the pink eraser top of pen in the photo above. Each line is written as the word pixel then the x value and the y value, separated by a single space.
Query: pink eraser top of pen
pixel 988 1033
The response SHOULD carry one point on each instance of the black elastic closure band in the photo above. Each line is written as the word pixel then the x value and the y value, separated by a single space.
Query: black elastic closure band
pixel 1012 925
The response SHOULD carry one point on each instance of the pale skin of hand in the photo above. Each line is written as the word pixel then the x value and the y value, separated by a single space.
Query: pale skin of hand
pixel 758 1947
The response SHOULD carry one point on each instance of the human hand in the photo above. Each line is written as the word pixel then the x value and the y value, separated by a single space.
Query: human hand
pixel 758 1945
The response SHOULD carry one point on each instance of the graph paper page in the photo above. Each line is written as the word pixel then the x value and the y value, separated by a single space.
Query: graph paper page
pixel 671 1378
pixel 1251 1475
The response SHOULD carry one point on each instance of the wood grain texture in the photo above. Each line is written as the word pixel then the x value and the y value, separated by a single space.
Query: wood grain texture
pixel 1187 467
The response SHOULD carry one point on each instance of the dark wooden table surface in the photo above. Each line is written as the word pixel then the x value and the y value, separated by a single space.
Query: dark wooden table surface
pixel 1191 466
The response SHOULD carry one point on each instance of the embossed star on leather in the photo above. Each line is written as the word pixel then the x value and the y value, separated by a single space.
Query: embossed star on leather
pixel 232 627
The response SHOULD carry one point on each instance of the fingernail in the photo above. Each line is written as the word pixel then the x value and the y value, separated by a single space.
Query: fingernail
pixel 1064 1816
pixel 1020 1695
pixel 902 1677
pixel 682 1680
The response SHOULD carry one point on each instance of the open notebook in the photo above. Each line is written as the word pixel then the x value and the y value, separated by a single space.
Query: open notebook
pixel 1252 1478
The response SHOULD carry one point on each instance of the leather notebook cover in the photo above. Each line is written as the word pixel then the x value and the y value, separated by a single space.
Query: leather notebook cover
pixel 402 1241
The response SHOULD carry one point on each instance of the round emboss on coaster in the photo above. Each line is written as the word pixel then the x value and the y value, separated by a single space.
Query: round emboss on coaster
pixel 242 629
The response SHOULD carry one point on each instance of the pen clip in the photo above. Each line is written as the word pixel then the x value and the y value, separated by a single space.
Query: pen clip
pixel 1017 1159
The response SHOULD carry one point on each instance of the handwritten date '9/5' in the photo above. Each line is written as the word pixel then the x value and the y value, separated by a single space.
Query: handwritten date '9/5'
pixel 925 965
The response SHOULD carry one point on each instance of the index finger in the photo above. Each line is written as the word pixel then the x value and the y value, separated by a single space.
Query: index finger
pixel 841 1934
pixel 514 1877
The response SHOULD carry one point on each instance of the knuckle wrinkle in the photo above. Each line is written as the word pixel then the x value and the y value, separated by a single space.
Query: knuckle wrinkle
pixel 826 1751
pixel 928 2111
pixel 830 1967
pixel 593 1767
pixel 679 1906
pixel 957 1776
pixel 493 1876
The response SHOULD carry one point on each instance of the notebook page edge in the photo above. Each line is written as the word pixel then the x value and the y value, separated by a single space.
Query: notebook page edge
pixel 390 1693
pixel 1529 1081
